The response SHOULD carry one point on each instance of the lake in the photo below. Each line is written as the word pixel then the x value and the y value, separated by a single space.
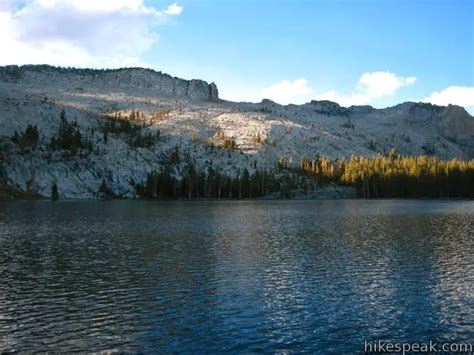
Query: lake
pixel 234 276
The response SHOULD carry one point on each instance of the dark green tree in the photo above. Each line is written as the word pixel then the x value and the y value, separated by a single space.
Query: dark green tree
pixel 54 192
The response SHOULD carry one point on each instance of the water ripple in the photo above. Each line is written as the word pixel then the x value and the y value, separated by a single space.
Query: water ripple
pixel 137 276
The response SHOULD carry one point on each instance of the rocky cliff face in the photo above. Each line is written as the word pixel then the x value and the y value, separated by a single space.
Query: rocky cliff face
pixel 185 118
pixel 148 80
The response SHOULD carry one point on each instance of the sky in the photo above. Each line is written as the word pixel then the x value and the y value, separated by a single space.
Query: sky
pixel 354 52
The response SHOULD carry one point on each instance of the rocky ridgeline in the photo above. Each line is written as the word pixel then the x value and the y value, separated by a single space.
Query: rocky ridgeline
pixel 147 80
pixel 173 124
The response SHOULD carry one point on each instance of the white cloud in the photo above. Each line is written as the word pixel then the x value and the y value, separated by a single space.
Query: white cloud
pixel 379 84
pixel 82 33
pixel 94 5
pixel 239 92
pixel 455 95
pixel 346 101
pixel 371 86
pixel 285 92
pixel 5 5
pixel 174 10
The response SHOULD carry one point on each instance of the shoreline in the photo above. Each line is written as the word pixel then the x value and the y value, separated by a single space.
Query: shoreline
pixel 45 199
pixel 326 193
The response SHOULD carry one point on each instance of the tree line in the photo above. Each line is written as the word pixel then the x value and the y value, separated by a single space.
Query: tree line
pixel 213 184
pixel 69 137
pixel 131 128
pixel 29 138
pixel 396 176
pixel 390 176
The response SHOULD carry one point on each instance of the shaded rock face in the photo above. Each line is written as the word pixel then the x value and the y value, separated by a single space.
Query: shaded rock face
pixel 145 80
pixel 197 89
pixel 213 92
pixel 452 122
pixel 268 102
pixel 456 123
pixel 360 110
pixel 328 108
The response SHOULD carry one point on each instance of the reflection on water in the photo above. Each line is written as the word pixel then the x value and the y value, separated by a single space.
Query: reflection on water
pixel 234 276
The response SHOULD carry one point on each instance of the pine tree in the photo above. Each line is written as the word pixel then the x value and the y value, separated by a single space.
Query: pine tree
pixel 54 192
pixel 103 189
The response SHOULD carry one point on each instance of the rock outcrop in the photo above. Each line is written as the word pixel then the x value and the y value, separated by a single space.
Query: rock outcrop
pixel 144 80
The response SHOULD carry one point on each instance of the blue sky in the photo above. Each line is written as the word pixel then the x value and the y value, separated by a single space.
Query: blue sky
pixel 378 52
pixel 329 43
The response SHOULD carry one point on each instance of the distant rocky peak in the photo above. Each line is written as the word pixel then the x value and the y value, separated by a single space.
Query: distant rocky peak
pixel 327 107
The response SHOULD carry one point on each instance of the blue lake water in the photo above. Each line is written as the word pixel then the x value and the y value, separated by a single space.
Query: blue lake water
pixel 234 276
